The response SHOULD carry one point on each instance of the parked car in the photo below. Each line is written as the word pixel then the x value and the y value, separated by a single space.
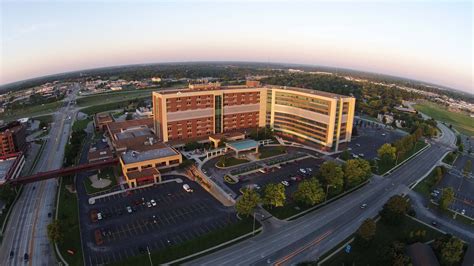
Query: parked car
pixel 285 183
pixel 434 223
pixel 153 202
pixel 363 205
pixel 187 188
pixel 99 216
pixel 148 204
pixel 302 170
pixel 129 209
pixel 26 257
pixel 463 212
pixel 361 155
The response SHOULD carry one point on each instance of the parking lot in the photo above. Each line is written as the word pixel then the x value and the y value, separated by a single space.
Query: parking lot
pixel 370 137
pixel 129 223
pixel 277 175
pixel 463 187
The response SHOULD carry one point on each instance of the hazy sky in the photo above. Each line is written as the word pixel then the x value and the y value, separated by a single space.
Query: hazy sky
pixel 430 41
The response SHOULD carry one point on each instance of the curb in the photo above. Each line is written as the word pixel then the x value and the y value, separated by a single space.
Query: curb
pixel 58 195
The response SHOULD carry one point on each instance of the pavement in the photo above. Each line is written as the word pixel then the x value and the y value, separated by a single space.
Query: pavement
pixel 26 231
pixel 314 234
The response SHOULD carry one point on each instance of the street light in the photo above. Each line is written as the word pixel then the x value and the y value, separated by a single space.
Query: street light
pixel 149 255
pixel 327 190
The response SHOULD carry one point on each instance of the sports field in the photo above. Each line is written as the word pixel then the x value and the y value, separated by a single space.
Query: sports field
pixel 461 121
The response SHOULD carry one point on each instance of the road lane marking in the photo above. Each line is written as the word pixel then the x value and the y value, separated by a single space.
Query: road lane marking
pixel 298 251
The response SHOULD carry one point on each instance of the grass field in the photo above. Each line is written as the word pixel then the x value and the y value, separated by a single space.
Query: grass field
pixel 462 122
pixel 68 216
pixel 30 111
pixel 112 97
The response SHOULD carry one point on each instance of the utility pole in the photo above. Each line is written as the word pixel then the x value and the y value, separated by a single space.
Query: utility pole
pixel 149 255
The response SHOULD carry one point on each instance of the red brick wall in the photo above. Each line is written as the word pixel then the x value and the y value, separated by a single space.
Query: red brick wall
pixel 241 98
pixel 206 127
pixel 240 121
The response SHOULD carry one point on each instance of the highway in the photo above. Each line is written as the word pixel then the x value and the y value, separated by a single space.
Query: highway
pixel 26 231
pixel 312 235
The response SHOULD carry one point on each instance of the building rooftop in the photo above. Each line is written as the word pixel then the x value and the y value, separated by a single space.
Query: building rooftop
pixel 129 125
pixel 242 145
pixel 310 91
pixel 152 171
pixel 158 151
pixel 422 255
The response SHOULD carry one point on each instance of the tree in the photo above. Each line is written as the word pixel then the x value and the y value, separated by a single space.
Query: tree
pixel 274 195
pixel 7 192
pixel 449 249
pixel 394 210
pixel 467 168
pixel 447 197
pixel 332 175
pixel 461 147
pixel 222 161
pixel 247 203
pixel 345 155
pixel 356 171
pixel 366 231
pixel 309 192
pixel 55 233
pixel 387 153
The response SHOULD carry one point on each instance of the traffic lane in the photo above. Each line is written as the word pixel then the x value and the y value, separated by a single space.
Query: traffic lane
pixel 316 243
pixel 276 175
pixel 269 243
pixel 263 244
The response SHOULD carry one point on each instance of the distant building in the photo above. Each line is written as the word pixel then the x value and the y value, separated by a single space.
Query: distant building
pixel 12 140
pixel 156 79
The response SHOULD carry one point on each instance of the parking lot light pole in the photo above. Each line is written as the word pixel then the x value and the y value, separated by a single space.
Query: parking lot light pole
pixel 327 190
pixel 149 255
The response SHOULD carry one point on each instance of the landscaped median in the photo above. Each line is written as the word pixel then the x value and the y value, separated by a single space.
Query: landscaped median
pixel 67 214
pixel 199 246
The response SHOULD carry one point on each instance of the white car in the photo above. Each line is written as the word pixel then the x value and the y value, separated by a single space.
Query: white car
pixel 148 204
pixel 153 202
pixel 463 212
pixel 187 188
pixel 285 183
pixel 129 209
pixel 302 170
pixel 99 216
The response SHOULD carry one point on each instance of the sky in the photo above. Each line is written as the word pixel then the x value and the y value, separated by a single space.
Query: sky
pixel 423 40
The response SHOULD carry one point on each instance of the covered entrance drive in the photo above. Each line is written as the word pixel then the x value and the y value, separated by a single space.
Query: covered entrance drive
pixel 242 146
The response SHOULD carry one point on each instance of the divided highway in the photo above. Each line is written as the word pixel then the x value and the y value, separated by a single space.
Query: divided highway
pixel 26 231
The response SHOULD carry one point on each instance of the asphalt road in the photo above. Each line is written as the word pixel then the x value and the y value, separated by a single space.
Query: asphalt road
pixel 312 235
pixel 26 231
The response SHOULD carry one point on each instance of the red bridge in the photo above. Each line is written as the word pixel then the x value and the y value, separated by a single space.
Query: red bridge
pixel 63 171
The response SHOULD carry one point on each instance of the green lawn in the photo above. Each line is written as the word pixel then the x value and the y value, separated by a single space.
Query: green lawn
pixel 426 185
pixel 45 118
pixel 270 151
pixel 81 124
pixel 195 245
pixel 106 98
pixel 107 173
pixel 30 111
pixel 461 121
pixel 450 158
pixel 385 235
pixel 68 216
pixel 231 161
pixel 109 106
